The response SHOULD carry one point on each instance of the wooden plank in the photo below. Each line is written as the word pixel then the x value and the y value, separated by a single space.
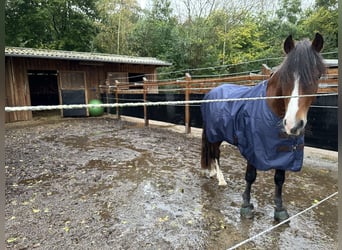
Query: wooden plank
pixel 17 89
pixel 327 90
pixel 332 71
pixel 233 79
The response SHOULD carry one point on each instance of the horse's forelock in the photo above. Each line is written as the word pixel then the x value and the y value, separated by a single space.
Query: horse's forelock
pixel 304 61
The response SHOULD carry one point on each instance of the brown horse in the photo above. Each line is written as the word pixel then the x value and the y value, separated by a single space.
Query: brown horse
pixel 268 132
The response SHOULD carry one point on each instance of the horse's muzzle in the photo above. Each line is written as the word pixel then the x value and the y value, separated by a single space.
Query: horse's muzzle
pixel 297 129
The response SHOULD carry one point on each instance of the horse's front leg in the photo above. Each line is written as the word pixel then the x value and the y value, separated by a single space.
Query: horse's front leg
pixel 280 212
pixel 247 209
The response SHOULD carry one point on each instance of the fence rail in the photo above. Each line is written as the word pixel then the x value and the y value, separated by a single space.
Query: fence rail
pixel 328 83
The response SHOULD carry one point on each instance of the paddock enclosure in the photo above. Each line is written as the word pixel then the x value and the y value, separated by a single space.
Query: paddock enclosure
pixel 320 130
pixel 104 183
pixel 52 77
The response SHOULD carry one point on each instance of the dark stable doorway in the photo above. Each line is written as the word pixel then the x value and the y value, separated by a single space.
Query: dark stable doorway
pixel 43 89
pixel 136 79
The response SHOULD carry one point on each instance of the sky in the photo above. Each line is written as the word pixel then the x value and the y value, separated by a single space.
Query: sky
pixel 143 3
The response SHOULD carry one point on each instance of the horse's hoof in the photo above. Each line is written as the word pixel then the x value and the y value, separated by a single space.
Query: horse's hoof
pixel 222 183
pixel 247 211
pixel 212 173
pixel 281 215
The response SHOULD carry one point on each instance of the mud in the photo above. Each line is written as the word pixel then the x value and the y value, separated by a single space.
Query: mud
pixel 101 183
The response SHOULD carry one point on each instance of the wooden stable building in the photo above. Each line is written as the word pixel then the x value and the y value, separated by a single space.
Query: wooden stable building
pixel 54 77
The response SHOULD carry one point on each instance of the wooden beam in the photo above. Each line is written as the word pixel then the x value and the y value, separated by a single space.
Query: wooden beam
pixel 145 97
pixel 187 107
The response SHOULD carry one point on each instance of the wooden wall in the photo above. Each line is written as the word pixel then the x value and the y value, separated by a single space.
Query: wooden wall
pixel 17 89
pixel 17 85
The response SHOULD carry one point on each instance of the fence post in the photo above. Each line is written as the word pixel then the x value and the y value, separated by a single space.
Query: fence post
pixel 266 71
pixel 187 106
pixel 117 98
pixel 106 90
pixel 145 97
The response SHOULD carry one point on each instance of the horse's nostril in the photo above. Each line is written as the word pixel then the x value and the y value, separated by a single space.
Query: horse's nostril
pixel 298 128
pixel 294 130
pixel 284 122
pixel 301 124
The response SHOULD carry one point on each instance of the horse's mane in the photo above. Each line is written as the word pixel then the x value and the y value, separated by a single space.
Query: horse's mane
pixel 304 61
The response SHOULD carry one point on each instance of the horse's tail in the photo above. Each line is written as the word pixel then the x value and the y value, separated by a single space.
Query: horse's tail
pixel 205 151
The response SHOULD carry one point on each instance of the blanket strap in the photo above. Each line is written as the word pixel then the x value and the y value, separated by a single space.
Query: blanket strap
pixel 283 135
pixel 291 148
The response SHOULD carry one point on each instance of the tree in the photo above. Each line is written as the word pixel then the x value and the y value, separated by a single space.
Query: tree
pixel 276 28
pixel 115 22
pixel 198 9
pixel 288 16
pixel 323 18
pixel 211 34
pixel 55 24
pixel 153 34
pixel 199 42
pixel 290 11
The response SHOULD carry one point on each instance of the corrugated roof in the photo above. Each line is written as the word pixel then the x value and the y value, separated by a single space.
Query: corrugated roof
pixel 85 56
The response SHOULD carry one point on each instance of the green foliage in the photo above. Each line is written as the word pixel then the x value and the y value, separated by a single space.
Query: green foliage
pixel 115 20
pixel 289 11
pixel 328 4
pixel 56 24
pixel 224 37
pixel 154 34
pixel 323 19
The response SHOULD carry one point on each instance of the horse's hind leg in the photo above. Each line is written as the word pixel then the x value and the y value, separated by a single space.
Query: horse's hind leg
pixel 212 172
pixel 219 174
pixel 210 153
pixel 247 209
pixel 280 212
pixel 214 149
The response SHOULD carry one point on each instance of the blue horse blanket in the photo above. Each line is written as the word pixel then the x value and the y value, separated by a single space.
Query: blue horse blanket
pixel 252 127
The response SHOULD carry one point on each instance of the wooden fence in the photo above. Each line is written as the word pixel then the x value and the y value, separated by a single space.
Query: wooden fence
pixel 327 84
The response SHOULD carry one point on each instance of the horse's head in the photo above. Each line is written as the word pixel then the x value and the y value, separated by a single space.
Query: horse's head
pixel 298 75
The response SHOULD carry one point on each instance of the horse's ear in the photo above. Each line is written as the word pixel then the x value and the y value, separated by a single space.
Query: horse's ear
pixel 317 43
pixel 288 44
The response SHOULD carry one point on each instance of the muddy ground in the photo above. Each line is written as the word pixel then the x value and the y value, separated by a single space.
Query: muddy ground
pixel 101 183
